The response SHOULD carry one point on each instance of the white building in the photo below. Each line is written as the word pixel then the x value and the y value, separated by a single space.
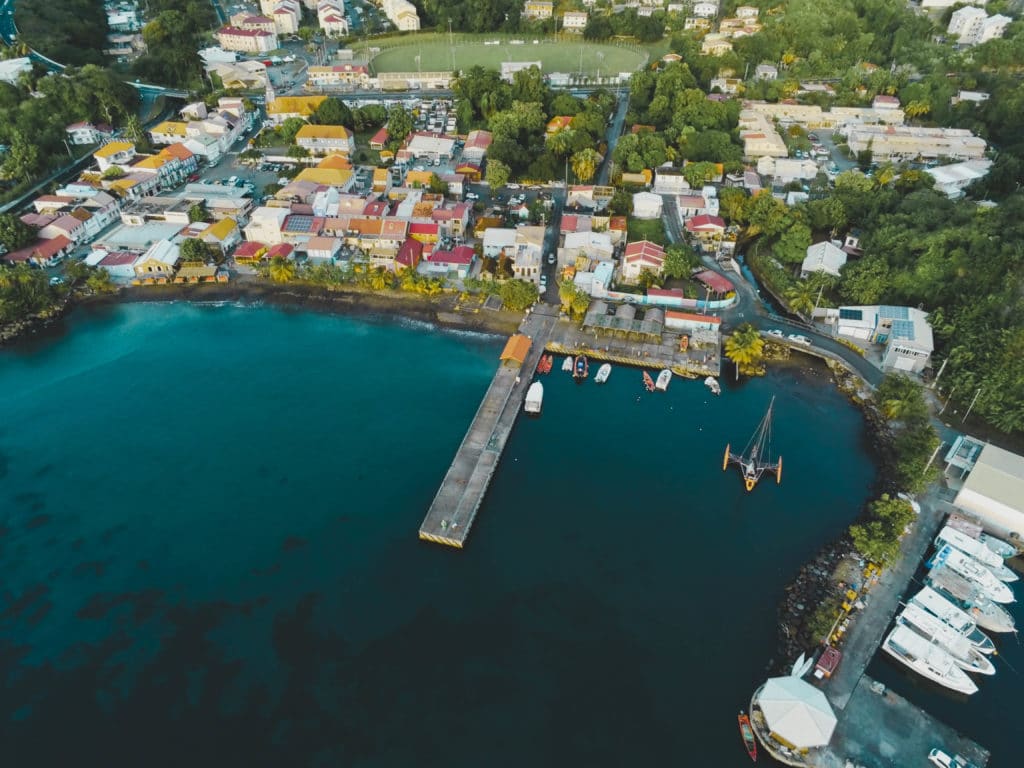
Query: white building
pixel 766 72
pixel 498 239
pixel 787 169
pixel 647 205
pixel 246 40
pixel 705 10
pixel 904 331
pixel 972 26
pixel 574 21
pixel 823 257
pixel 904 142
pixel 952 180
pixel 932 5
pixel 402 14
pixel 994 490
pixel 12 69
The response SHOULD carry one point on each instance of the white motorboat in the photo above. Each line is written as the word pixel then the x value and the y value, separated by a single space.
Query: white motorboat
pixel 975 549
pixel 967 545
pixel 534 398
pixel 933 629
pixel 961 622
pixel 662 382
pixel 567 365
pixel 712 383
pixel 969 596
pixel 1000 547
pixel 974 572
pixel 928 660
pixel 603 373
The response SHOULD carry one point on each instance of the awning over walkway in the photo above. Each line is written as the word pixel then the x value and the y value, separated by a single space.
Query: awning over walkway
pixel 516 349
pixel 797 712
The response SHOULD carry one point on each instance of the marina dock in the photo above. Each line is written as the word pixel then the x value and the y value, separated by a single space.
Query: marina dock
pixel 454 508
pixel 877 727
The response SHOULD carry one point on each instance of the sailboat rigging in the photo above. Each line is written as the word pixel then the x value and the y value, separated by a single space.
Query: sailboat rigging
pixel 756 459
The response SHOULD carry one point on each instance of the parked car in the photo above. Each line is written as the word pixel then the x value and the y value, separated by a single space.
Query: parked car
pixel 551 258
pixel 943 760
pixel 799 338
pixel 774 332
pixel 512 186
pixel 812 137
pixel 472 196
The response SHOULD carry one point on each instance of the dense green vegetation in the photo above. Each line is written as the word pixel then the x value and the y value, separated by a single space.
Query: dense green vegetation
pixel 72 32
pixel 33 128
pixel 173 35
pixel 877 538
pixel 518 114
pixel 901 402
pixel 471 15
pixel 24 292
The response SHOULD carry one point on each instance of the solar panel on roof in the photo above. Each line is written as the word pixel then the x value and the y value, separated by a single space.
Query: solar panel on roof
pixel 851 314
pixel 903 329
pixel 894 313
pixel 299 223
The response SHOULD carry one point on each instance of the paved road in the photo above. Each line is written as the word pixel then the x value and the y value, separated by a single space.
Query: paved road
pixel 612 138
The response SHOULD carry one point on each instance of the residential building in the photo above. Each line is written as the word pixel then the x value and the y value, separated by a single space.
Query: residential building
pixel 339 74
pixel 223 234
pixel 952 180
pixel 429 145
pixel 882 101
pixel 42 253
pixel 322 249
pixel 787 169
pixel 583 248
pixel 715 44
pixel 258 23
pixel 87 133
pixel 903 331
pixel 707 230
pixel 760 139
pixel 902 142
pixel 574 21
pixel 766 72
pixel 698 23
pixel 498 240
pixel 246 40
pixel 705 10
pixel 747 12
pixel 457 262
pixel 331 16
pixel 727 85
pixel 476 146
pixel 812 117
pixel 823 257
pixel 641 255
pixel 972 26
pixel 402 14
pixel 647 205
pixel 287 16
pixel 283 107
pixel 159 261
pixel 528 257
pixel 973 97
pixel 690 205
pixel 538 9
pixel 558 123
pixel 670 181
pixel 265 225
pixel 120 265
pixel 114 153
pixel 325 139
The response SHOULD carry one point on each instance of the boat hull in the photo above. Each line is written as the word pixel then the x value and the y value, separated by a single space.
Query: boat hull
pixel 747 734
pixel 930 662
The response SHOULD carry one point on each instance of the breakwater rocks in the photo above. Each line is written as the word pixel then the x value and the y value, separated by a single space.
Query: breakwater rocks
pixel 33 324
pixel 818 583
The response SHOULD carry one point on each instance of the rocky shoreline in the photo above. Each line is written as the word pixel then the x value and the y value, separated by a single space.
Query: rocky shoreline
pixel 818 580
pixel 443 312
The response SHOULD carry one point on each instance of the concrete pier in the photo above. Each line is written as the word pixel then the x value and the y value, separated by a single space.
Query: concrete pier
pixel 454 508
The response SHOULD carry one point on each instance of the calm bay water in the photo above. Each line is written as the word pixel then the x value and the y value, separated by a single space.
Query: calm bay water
pixel 208 524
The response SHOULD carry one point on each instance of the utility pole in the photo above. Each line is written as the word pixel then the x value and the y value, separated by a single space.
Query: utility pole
pixel 941 369
pixel 964 419
pixel 948 398
pixel 934 454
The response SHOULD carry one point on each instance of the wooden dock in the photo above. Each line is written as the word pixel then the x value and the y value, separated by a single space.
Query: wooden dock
pixel 454 508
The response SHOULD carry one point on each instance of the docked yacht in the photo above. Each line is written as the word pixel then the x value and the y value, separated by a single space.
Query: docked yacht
pixel 534 398
pixel 974 548
pixel 974 572
pixel 928 660
pixel 662 382
pixel 1000 547
pixel 567 365
pixel 933 629
pixel 712 383
pixel 948 612
pixel 603 373
pixel 969 596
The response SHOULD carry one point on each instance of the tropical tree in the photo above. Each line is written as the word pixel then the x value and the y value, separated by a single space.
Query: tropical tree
pixel 801 297
pixel 580 303
pixel 584 164
pixel 497 174
pixel 745 348
pixel 679 261
pixel 380 279
pixel 281 270
pixel 251 156
pixel 297 152
pixel 517 295
pixel 194 251
pixel 14 233
pixel 198 212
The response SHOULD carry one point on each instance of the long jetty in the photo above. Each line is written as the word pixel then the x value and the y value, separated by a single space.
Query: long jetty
pixel 454 508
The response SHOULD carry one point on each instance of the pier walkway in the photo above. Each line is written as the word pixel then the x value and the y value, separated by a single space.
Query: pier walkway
pixel 451 514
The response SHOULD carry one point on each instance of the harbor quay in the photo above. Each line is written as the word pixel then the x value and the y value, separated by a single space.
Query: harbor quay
pixel 453 510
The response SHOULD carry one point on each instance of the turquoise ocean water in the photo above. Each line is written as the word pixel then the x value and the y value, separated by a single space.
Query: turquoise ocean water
pixel 208 522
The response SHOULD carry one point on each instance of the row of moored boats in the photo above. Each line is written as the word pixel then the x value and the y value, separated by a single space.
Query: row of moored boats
pixel 579 367
pixel 939 634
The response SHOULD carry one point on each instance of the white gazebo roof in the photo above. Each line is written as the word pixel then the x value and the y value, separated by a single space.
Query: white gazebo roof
pixel 797 712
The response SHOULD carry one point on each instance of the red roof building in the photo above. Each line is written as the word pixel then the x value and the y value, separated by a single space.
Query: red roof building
pixel 641 255
pixel 409 254
pixel 705 223
pixel 39 252
pixel 714 281
pixel 284 250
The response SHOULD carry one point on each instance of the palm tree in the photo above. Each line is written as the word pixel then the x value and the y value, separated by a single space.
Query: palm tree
pixel 584 164
pixel 801 297
pixel 745 348
pixel 380 278
pixel 281 269
pixel 580 303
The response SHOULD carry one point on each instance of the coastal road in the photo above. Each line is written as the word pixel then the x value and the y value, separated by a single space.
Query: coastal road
pixel 751 308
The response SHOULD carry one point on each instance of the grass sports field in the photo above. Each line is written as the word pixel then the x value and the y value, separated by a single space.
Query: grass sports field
pixel 435 54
